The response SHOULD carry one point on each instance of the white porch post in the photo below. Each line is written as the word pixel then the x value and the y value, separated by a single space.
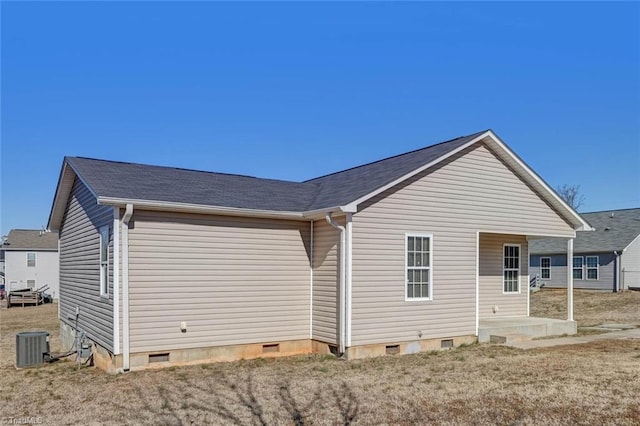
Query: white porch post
pixel 570 279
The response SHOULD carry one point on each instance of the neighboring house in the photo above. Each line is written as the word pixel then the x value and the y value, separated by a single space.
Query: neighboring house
pixel 1 264
pixel 606 259
pixel 31 260
pixel 405 254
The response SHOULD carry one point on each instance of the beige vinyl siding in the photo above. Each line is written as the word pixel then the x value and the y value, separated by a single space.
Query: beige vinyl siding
pixel 491 277
pixel 472 191
pixel 232 280
pixel 326 276
pixel 80 266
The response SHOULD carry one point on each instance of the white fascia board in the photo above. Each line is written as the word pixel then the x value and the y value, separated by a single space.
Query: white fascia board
pixel 352 207
pixel 321 213
pixel 632 241
pixel 579 223
pixel 60 199
pixel 199 208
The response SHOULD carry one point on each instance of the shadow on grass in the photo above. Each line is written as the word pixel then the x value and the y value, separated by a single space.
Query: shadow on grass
pixel 223 400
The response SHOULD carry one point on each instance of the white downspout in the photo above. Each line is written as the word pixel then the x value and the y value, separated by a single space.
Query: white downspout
pixel 570 279
pixel 342 291
pixel 125 286
pixel 348 278
pixel 311 281
pixel 616 284
pixel 116 280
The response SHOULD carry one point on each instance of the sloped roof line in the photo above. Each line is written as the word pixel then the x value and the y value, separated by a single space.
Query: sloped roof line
pixel 30 240
pixel 180 188
pixel 610 234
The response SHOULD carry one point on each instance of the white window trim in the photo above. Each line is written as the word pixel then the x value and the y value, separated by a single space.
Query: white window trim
pixel 519 268
pixel 406 267
pixel 573 268
pixel 587 267
pixel 35 259
pixel 104 278
pixel 549 268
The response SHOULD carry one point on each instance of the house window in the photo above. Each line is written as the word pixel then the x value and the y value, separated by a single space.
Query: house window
pixel 578 262
pixel 511 270
pixel 104 261
pixel 545 268
pixel 592 267
pixel 31 260
pixel 419 271
pixel 31 284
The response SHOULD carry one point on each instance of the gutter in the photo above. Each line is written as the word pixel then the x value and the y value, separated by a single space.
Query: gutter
pixel 342 291
pixel 125 286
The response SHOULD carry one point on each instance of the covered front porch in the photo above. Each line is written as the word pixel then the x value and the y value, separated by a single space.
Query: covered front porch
pixel 504 294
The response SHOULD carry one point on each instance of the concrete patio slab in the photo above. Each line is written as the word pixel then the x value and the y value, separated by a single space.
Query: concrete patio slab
pixel 528 326
pixel 534 344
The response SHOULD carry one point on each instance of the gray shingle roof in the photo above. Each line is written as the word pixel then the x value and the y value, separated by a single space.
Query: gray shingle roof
pixel 31 239
pixel 166 184
pixel 341 188
pixel 614 230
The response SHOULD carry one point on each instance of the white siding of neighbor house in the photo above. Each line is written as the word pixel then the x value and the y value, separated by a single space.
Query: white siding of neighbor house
pixel 46 271
pixel 326 277
pixel 80 266
pixel 491 277
pixel 630 265
pixel 232 280
pixel 469 193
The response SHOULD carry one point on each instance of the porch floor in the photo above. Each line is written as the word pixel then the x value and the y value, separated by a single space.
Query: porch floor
pixel 525 328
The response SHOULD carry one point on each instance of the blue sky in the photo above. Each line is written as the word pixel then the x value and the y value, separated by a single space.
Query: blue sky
pixel 297 90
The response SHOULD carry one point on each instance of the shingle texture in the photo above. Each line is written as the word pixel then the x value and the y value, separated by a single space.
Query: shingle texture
pixel 166 184
pixel 614 230
pixel 30 239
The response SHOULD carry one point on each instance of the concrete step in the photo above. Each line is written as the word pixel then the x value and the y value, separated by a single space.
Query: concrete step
pixel 508 338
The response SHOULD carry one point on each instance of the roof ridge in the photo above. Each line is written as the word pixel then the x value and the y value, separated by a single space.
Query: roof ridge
pixel 395 156
pixel 612 210
pixel 181 169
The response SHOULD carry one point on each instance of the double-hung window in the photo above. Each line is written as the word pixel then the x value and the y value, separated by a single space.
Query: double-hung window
pixel 545 268
pixel 578 263
pixel 31 260
pixel 592 267
pixel 419 271
pixel 511 268
pixel 104 261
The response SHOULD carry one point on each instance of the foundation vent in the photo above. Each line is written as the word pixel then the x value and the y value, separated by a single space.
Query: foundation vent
pixel 392 349
pixel 158 357
pixel 274 347
pixel 446 344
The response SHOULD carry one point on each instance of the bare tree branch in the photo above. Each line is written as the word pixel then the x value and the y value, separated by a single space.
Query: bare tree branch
pixel 570 194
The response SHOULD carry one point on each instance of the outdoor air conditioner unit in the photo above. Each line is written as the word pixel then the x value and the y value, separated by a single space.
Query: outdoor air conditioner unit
pixel 31 347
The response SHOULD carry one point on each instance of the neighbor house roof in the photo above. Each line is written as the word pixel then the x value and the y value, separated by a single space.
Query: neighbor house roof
pixel 614 230
pixel 168 188
pixel 31 239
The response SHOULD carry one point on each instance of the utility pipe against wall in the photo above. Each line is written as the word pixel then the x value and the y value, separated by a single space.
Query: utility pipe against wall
pixel 343 263
pixel 128 212
pixel 616 273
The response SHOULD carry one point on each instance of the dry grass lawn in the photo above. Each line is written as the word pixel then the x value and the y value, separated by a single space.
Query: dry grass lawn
pixel 479 384
pixel 590 307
